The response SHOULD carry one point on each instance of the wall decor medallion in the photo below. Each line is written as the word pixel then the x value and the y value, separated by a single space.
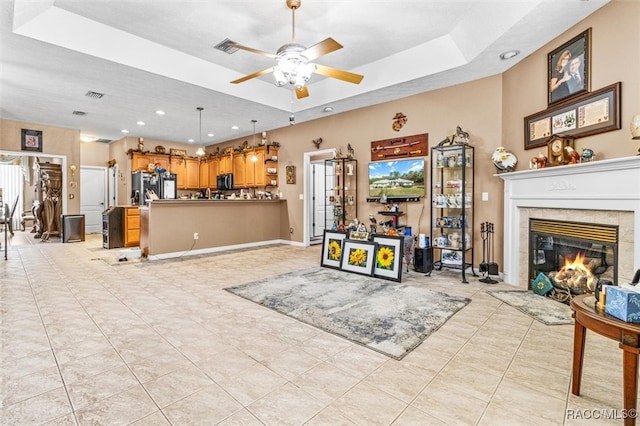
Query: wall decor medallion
pixel 399 120
pixel 291 174
pixel 31 140
pixel 568 69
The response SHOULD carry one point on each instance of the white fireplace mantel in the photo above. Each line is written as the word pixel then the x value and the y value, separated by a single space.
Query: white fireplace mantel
pixel 607 185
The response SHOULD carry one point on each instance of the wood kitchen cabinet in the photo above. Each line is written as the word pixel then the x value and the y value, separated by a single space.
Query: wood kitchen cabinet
pixel 193 173
pixel 224 164
pixel 255 170
pixel 131 226
pixel 213 164
pixel 179 168
pixel 204 173
pixel 141 161
pixel 239 171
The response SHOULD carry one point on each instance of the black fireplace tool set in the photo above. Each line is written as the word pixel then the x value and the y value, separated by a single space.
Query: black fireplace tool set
pixel 487 267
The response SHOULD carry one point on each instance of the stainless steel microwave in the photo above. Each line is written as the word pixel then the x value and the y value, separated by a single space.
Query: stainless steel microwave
pixel 225 181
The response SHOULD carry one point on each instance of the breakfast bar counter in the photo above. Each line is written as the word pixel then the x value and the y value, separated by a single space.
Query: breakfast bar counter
pixel 173 228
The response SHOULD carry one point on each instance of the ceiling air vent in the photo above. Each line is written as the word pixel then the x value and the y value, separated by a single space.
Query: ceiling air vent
pixel 225 46
pixel 104 140
pixel 94 95
pixel 79 113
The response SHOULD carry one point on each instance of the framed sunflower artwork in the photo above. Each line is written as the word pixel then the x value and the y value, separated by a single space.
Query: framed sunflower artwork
pixel 389 255
pixel 332 248
pixel 358 257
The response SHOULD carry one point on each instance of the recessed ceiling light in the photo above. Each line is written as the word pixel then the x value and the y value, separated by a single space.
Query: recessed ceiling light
pixel 160 112
pixel 190 141
pixel 235 127
pixel 124 131
pixel 509 54
pixel 140 123
pixel 211 135
pixel 85 138
pixel 327 109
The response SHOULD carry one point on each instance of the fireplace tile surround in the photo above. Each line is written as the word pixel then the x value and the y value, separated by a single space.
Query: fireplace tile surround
pixel 600 192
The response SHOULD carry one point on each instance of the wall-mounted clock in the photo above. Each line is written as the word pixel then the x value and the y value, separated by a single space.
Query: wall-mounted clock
pixel 556 153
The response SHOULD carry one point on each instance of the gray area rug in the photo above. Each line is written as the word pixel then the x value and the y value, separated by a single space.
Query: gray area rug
pixel 541 308
pixel 388 317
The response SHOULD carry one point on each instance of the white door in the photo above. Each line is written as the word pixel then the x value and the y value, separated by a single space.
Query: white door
pixel 319 205
pixel 93 197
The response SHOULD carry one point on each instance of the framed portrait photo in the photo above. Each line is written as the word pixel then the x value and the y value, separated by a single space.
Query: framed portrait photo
pixel 31 140
pixel 332 248
pixel 358 257
pixel 389 255
pixel 568 69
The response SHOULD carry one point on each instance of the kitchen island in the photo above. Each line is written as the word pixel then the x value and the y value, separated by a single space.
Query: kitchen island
pixel 174 228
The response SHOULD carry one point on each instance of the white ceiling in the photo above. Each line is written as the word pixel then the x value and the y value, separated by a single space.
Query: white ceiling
pixel 146 55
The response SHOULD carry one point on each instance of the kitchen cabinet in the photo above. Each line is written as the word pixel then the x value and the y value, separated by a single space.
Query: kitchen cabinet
pixel 204 173
pixel 239 170
pixel 256 176
pixel 213 164
pixel 224 164
pixel 193 173
pixel 131 226
pixel 341 192
pixel 141 161
pixel 178 166
pixel 452 207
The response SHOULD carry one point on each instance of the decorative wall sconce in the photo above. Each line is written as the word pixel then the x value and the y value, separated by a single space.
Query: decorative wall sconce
pixel 73 169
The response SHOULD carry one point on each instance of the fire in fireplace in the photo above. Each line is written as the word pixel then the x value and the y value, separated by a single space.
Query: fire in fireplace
pixel 574 255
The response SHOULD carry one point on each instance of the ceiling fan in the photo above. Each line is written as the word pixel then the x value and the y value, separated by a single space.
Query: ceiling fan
pixel 293 64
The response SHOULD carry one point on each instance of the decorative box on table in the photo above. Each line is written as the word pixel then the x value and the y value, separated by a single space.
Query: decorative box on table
pixel 623 303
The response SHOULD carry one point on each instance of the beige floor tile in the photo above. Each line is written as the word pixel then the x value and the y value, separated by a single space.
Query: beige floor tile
pixel 120 409
pixel 399 381
pixel 31 385
pixel 330 417
pixel 252 384
pixel 365 404
pixel 95 388
pixel 207 406
pixel 241 418
pixel 291 363
pixel 411 416
pixel 287 405
pixel 176 385
pixel 155 419
pixel 325 382
pixel 448 404
pixel 37 410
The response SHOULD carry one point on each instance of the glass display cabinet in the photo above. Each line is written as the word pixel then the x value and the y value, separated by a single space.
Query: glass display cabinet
pixel 341 192
pixel 452 207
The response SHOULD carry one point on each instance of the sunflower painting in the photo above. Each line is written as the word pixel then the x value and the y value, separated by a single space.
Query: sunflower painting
pixel 388 257
pixel 335 249
pixel 385 257
pixel 358 256
pixel 332 248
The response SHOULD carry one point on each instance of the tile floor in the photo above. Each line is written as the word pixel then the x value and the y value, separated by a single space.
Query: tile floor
pixel 87 340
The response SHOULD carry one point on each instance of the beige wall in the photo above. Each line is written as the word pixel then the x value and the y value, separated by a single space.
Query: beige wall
pixel 492 110
pixel 55 141
pixel 94 154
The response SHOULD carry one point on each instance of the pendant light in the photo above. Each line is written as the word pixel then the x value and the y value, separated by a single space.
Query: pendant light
pixel 200 152
pixel 254 157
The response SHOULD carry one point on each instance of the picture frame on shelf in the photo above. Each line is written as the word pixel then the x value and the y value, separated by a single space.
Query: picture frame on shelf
pixel 389 256
pixel 31 140
pixel 451 257
pixel 586 115
pixel 358 257
pixel 569 69
pixel 332 248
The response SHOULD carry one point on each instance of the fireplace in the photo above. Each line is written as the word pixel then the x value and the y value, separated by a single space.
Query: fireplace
pixel 574 255
pixel 602 193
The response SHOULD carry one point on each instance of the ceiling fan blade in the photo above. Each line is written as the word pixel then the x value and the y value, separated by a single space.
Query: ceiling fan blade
pixel 339 74
pixel 303 92
pixel 252 50
pixel 320 49
pixel 254 75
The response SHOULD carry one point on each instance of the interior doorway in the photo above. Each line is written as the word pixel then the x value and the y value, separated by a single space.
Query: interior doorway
pixel 93 197
pixel 315 209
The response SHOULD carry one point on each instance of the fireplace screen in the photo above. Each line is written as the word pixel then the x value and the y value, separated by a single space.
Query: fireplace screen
pixel 574 255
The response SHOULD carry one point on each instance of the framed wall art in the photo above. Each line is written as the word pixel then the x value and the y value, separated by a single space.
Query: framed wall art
pixel 291 174
pixel 358 257
pixel 31 140
pixel 332 248
pixel 568 69
pixel 588 114
pixel 389 255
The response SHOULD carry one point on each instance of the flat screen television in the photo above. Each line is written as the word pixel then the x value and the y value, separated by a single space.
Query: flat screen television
pixel 398 178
